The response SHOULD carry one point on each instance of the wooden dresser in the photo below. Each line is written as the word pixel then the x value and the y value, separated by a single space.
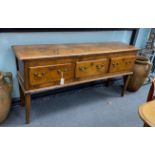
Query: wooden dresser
pixel 45 67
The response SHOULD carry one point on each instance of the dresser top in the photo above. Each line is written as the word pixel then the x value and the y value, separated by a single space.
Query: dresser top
pixel 28 52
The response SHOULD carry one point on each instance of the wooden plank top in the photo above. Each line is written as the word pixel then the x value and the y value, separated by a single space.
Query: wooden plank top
pixel 28 52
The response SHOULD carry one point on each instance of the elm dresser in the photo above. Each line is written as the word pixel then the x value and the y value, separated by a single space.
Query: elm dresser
pixel 45 67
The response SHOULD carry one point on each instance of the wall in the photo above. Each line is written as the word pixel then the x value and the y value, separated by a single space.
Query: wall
pixel 7 60
pixel 142 37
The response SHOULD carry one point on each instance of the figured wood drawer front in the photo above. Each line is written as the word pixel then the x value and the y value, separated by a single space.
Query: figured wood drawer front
pixel 91 68
pixel 119 64
pixel 51 74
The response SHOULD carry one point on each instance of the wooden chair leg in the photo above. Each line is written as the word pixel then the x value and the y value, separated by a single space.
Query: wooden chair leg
pixel 126 81
pixel 28 104
pixel 22 97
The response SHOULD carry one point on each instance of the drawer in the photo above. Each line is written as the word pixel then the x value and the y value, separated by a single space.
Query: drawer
pixel 51 74
pixel 119 64
pixel 91 68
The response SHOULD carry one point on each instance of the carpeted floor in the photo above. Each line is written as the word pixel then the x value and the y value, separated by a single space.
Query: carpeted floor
pixel 96 106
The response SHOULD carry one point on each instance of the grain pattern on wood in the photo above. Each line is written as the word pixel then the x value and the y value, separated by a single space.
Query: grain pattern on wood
pixel 46 67
pixel 122 63
pixel 91 68
pixel 47 73
pixel 51 74
pixel 39 90
pixel 28 52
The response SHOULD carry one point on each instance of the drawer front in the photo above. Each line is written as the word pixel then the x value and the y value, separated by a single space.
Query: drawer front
pixel 91 68
pixel 119 64
pixel 51 74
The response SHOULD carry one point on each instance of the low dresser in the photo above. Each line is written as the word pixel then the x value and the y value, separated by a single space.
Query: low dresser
pixel 45 67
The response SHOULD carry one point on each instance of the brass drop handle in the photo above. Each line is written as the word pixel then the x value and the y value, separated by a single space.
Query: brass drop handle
pixel 99 66
pixel 115 64
pixel 128 62
pixel 83 69
pixel 39 75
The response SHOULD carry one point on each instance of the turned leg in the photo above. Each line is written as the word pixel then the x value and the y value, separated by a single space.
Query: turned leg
pixel 126 81
pixel 22 97
pixel 27 105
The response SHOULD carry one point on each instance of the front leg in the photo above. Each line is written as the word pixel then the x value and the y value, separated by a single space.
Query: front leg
pixel 126 81
pixel 27 106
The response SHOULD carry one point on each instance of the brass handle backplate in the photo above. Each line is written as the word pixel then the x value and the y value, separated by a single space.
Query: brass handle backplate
pixel 115 64
pixel 39 75
pixel 128 62
pixel 83 69
pixel 98 67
